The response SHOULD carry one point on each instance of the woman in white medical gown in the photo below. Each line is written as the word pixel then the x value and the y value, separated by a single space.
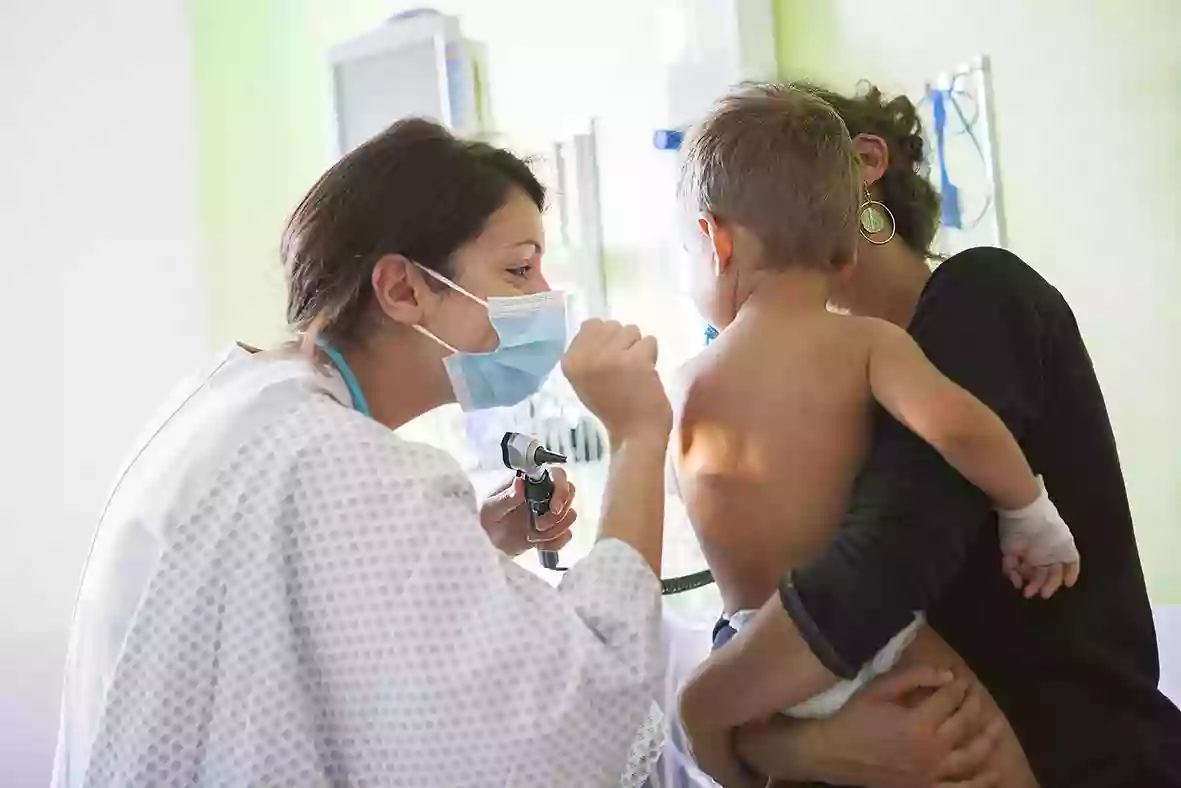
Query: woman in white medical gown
pixel 281 592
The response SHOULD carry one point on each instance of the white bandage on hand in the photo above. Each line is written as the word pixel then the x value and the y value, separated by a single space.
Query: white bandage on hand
pixel 1040 529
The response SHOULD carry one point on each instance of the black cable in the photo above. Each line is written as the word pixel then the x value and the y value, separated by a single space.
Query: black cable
pixel 672 585
pixel 683 583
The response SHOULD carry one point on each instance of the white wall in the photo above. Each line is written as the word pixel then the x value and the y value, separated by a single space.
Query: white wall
pixel 102 303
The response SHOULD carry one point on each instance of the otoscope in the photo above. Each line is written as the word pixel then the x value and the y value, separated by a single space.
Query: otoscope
pixel 528 458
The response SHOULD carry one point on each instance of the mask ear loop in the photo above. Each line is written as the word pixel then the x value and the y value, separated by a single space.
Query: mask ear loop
pixel 439 277
pixel 429 335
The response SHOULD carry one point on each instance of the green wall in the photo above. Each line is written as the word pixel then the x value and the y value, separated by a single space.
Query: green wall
pixel 262 94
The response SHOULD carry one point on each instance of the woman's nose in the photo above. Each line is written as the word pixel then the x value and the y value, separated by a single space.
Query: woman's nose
pixel 540 284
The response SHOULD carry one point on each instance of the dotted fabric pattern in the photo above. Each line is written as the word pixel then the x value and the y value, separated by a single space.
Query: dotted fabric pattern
pixel 646 750
pixel 326 610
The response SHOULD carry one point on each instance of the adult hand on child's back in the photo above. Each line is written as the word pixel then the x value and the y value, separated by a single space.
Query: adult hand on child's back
pixel 916 727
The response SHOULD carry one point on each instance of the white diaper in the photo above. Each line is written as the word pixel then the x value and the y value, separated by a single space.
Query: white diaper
pixel 832 699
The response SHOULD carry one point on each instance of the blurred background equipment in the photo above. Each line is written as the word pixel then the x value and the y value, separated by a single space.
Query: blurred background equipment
pixel 959 147
pixel 415 65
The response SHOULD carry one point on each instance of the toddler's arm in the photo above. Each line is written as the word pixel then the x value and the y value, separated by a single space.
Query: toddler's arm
pixel 1038 545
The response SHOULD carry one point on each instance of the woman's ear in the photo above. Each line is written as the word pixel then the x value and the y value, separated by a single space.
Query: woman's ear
pixel 400 289
pixel 875 157
pixel 721 240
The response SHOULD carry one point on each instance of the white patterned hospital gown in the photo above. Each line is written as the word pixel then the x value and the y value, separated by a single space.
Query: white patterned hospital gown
pixel 283 593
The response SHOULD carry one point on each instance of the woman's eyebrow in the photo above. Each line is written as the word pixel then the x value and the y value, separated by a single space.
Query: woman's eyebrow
pixel 537 247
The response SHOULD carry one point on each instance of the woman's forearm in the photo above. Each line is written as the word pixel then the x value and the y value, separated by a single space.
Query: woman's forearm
pixel 802 754
pixel 633 504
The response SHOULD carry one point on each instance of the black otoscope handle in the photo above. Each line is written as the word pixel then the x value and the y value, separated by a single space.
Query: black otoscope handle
pixel 538 494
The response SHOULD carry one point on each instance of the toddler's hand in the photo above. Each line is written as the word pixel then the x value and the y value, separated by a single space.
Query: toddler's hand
pixel 1039 550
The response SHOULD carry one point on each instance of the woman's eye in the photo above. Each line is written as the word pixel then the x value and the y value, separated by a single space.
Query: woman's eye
pixel 521 271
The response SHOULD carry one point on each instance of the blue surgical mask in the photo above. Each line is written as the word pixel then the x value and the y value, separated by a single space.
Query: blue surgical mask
pixel 532 331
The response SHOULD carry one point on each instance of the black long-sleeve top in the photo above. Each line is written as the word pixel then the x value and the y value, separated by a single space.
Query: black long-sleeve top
pixel 1077 674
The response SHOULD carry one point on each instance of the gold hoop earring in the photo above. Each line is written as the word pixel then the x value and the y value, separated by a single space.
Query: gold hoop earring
pixel 870 220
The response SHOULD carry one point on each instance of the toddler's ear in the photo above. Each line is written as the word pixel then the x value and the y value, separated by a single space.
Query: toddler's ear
pixel 721 239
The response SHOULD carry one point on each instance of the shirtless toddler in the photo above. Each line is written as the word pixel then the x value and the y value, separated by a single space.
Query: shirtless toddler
pixel 775 418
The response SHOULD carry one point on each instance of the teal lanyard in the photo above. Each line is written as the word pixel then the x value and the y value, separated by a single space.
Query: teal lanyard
pixel 346 372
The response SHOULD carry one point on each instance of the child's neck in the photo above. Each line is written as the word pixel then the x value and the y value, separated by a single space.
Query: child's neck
pixel 793 290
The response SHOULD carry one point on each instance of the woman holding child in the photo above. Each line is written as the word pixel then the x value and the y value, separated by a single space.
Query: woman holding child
pixel 851 517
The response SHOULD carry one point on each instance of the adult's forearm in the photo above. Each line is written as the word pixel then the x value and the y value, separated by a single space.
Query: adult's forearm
pixel 633 504
pixel 801 751
pixel 766 668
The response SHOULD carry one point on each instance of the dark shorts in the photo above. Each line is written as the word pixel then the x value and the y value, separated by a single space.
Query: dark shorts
pixel 723 632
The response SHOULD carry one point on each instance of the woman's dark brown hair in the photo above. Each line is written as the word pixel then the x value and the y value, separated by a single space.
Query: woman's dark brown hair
pixel 415 190
pixel 909 196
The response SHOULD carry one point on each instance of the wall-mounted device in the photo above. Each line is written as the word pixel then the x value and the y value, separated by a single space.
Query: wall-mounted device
pixel 721 43
pixel 415 65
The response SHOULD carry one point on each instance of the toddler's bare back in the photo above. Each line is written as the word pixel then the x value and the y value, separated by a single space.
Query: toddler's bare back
pixel 773 428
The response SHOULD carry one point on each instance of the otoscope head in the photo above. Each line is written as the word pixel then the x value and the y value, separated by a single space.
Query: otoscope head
pixel 527 455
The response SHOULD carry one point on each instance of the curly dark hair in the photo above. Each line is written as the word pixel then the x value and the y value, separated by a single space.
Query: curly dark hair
pixel 909 196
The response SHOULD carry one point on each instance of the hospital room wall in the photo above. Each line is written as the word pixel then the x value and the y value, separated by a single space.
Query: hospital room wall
pixel 104 307
pixel 1088 112
pixel 263 107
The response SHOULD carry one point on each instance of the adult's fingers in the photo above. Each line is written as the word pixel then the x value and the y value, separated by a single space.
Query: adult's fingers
pixel 944 704
pixel 551 527
pixel 556 516
pixel 986 780
pixel 968 761
pixel 898 684
pixel 558 542
pixel 587 332
pixel 504 500
pixel 621 337
pixel 646 348
pixel 1053 581
pixel 960 726
pixel 554 527
pixel 563 493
